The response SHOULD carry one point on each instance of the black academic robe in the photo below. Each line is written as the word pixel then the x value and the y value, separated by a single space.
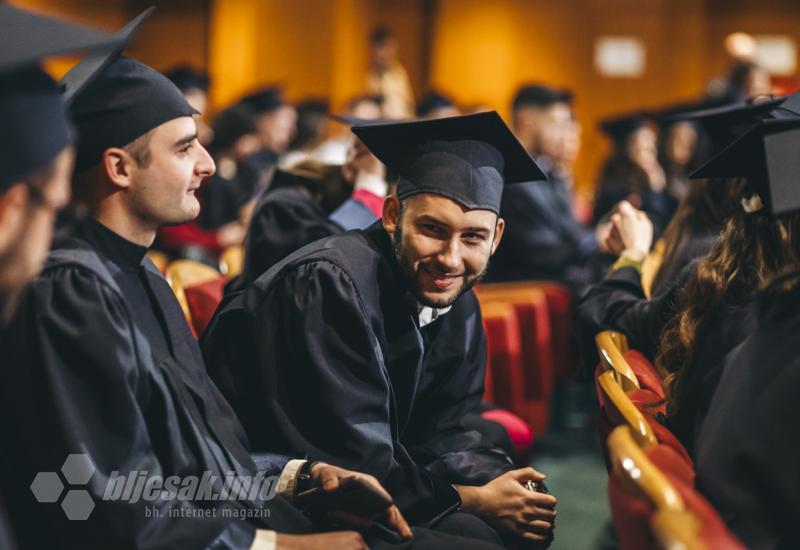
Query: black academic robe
pixel 99 361
pixel 286 218
pixel 542 237
pixel 618 303
pixel 324 354
pixel 747 449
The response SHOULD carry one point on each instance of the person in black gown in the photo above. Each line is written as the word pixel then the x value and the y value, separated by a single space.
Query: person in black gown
pixel 36 158
pixel 113 374
pixel 367 349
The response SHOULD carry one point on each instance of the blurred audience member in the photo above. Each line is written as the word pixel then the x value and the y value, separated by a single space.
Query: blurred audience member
pixel 388 78
pixel 335 149
pixel 436 105
pixel 543 239
pixel 632 172
pixel 275 122
pixel 311 131
pixel 194 87
pixel 677 155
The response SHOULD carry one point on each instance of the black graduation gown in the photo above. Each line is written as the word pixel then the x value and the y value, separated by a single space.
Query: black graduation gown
pixel 323 354
pixel 287 218
pixel 618 303
pixel 747 449
pixel 542 237
pixel 697 245
pixel 99 361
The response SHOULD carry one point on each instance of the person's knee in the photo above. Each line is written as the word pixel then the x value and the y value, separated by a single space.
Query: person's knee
pixel 469 526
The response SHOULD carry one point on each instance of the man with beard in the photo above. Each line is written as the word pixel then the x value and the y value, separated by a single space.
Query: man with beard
pixel 366 349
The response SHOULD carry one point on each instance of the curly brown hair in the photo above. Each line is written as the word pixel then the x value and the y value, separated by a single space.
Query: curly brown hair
pixel 705 208
pixel 754 251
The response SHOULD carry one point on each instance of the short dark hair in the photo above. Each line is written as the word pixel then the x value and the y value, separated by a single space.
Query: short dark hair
pixel 139 149
pixel 540 96
pixel 379 36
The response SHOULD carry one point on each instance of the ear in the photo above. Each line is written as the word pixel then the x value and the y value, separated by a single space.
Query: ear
pixel 118 166
pixel 391 214
pixel 499 228
pixel 12 213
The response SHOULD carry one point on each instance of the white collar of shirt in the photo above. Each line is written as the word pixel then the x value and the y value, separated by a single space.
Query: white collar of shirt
pixel 428 315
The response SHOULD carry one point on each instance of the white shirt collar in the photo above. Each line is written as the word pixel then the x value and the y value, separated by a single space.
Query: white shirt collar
pixel 428 315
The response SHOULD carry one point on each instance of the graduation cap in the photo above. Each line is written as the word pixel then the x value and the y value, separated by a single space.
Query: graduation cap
pixel 115 100
pixel 620 127
pixel 34 122
pixel 27 38
pixel 265 100
pixel 186 78
pixel 724 124
pixel 768 155
pixel 465 158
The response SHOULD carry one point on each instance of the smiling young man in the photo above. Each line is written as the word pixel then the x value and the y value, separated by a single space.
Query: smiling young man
pixel 366 349
pixel 111 371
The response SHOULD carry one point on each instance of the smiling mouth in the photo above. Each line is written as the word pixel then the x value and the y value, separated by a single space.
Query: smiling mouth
pixel 442 281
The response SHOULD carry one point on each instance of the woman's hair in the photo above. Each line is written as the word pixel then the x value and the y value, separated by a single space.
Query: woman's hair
pixel 703 210
pixel 754 250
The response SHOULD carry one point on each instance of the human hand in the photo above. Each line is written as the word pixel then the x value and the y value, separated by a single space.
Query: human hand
pixel 329 478
pixel 505 504
pixel 631 235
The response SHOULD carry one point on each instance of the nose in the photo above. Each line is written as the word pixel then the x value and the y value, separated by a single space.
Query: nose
pixel 450 255
pixel 205 164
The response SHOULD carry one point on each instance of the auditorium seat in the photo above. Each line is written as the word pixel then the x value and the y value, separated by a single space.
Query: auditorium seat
pixel 536 378
pixel 559 311
pixel 504 386
pixel 231 261
pixel 182 274
pixel 160 259
pixel 653 505
pixel 203 300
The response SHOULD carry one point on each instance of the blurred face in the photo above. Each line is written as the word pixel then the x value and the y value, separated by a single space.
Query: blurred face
pixel 643 147
pixel 384 54
pixel 555 124
pixel 162 191
pixel 681 142
pixel 27 215
pixel 276 128
pixel 443 249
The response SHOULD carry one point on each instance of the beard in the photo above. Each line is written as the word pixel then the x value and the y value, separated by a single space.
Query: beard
pixel 412 275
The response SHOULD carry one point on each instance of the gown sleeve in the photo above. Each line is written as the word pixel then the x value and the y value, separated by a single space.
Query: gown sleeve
pixel 329 388
pixel 78 388
pixel 618 303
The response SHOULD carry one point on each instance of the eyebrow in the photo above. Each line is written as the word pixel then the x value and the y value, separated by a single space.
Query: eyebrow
pixel 473 229
pixel 186 140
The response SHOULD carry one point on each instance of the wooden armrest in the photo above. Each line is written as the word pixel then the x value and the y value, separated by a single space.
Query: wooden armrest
pixel 676 530
pixel 638 472
pixel 627 412
pixel 610 346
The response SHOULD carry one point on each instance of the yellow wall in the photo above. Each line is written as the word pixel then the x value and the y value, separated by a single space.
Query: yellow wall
pixel 479 51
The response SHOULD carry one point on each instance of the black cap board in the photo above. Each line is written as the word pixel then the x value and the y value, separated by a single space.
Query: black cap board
pixel 465 158
pixel 27 38
pixel 34 122
pixel 115 100
pixel 768 155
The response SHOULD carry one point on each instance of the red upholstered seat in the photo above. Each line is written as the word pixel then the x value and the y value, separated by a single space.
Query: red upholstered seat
pixel 645 372
pixel 518 431
pixel 559 305
pixel 713 531
pixel 630 516
pixel 203 300
pixel 504 355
